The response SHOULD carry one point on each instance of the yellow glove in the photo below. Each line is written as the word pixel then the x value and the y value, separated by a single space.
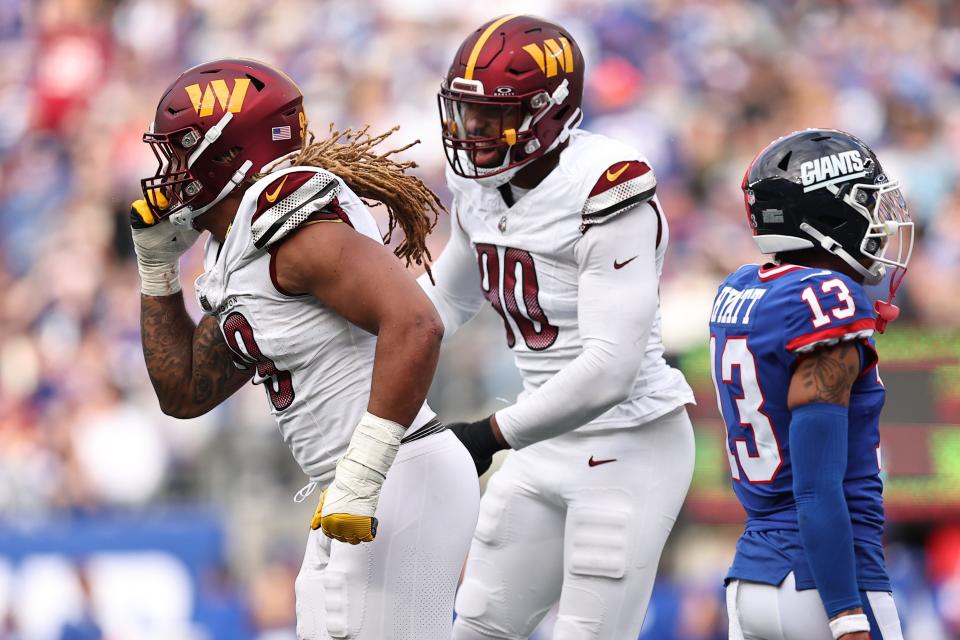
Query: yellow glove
pixel 141 216
pixel 343 526
pixel 158 245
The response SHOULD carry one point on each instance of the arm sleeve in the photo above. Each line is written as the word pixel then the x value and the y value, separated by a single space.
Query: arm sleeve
pixel 457 295
pixel 616 308
pixel 818 455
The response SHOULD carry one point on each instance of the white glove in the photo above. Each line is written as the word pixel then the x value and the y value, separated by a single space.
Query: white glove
pixel 159 246
pixel 348 505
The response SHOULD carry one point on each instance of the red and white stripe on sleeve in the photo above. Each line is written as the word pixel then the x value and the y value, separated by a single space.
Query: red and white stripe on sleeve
pixel 621 187
pixel 288 199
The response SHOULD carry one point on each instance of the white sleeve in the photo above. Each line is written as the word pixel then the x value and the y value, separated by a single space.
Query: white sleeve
pixel 457 295
pixel 615 311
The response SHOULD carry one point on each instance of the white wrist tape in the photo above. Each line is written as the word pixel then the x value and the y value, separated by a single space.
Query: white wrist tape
pixel 159 278
pixel 362 470
pixel 849 624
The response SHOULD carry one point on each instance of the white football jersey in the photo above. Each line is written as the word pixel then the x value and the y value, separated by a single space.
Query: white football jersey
pixel 315 366
pixel 529 273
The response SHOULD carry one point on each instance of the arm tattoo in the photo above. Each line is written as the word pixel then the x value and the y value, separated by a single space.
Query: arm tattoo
pixel 828 374
pixel 213 370
pixel 190 366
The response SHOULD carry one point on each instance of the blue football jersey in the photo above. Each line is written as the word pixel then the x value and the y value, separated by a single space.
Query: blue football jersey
pixel 763 320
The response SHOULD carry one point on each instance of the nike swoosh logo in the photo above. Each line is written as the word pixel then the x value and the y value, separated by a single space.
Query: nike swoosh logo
pixel 613 176
pixel 621 265
pixel 271 197
pixel 594 463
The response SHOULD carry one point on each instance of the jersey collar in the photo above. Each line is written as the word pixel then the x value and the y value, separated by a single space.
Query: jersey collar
pixel 772 271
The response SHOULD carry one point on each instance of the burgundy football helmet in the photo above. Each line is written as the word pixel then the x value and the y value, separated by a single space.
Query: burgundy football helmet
pixel 217 124
pixel 512 94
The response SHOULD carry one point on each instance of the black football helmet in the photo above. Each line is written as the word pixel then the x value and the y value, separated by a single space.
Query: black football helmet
pixel 826 188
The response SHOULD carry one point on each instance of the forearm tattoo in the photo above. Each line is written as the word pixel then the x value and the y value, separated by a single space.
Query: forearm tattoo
pixel 828 374
pixel 190 365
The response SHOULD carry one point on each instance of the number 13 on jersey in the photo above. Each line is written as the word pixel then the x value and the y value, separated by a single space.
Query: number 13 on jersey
pixel 764 461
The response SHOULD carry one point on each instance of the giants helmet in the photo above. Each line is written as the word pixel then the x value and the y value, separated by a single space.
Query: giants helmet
pixel 826 188
pixel 217 124
pixel 527 73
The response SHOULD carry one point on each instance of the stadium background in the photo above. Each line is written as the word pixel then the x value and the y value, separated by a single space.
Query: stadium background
pixel 121 523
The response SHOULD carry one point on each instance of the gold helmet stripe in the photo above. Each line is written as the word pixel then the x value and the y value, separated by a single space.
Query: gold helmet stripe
pixel 482 40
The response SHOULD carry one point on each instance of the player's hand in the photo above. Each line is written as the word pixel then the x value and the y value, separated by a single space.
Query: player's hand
pixel 158 240
pixel 347 506
pixel 159 245
pixel 344 527
pixel 480 440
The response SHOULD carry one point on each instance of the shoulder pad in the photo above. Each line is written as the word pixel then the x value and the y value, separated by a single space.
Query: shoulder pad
pixel 287 200
pixel 622 186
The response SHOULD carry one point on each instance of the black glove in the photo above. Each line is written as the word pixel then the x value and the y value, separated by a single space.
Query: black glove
pixel 479 440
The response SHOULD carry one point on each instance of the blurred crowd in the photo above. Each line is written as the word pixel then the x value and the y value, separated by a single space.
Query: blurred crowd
pixel 698 85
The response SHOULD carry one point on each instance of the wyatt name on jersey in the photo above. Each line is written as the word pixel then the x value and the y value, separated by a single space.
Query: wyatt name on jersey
pixel 730 302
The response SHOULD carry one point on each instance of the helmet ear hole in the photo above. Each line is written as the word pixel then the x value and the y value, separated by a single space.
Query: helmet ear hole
pixel 228 156
pixel 539 100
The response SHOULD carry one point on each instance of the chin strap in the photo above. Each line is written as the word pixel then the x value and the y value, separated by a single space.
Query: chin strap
pixel 832 246
pixel 211 136
pixel 185 217
pixel 886 311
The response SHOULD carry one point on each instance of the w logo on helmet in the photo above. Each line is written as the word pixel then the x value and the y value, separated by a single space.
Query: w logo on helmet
pixel 216 91
pixel 553 57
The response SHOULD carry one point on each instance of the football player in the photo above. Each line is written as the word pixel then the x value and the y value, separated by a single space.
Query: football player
pixel 300 295
pixel 561 232
pixel 793 359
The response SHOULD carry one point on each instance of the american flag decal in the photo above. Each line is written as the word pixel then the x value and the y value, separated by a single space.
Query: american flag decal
pixel 280 133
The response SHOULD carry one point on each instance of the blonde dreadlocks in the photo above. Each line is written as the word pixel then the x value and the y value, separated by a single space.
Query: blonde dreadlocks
pixel 378 178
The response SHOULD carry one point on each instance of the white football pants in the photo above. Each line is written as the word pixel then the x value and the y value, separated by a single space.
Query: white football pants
pixel 400 586
pixel 766 612
pixel 581 519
